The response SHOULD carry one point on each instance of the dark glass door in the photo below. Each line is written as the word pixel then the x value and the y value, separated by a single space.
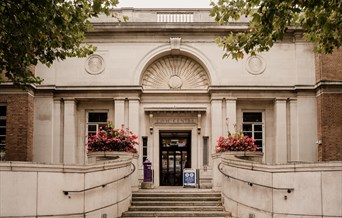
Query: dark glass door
pixel 175 150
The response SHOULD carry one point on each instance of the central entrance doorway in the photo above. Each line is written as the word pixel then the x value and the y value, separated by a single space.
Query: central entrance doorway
pixel 175 155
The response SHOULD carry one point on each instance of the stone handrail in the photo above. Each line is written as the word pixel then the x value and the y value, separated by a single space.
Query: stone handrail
pixel 289 190
pixel 102 185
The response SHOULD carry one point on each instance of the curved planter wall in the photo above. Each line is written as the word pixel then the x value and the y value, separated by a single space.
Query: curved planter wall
pixel 287 190
pixel 41 190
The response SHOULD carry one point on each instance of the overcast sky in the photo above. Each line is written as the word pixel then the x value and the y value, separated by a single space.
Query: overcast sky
pixel 165 3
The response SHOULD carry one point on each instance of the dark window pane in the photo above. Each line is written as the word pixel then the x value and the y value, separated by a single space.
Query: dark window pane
pixel 2 131
pixel 252 117
pixel 98 117
pixel 144 141
pixel 2 139
pixel 102 125
pixel 249 134
pixel 258 135
pixel 205 150
pixel 2 122
pixel 257 127
pixel 258 143
pixel 2 110
pixel 92 128
pixel 247 127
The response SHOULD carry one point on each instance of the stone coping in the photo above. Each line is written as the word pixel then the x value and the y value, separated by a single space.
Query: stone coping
pixel 229 159
pixel 17 166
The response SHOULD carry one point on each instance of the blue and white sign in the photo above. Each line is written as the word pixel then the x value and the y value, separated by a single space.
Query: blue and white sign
pixel 189 178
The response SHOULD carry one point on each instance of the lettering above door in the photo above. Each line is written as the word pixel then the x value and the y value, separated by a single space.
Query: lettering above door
pixel 175 120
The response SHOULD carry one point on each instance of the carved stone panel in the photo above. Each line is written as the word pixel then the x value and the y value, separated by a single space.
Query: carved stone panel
pixel 175 73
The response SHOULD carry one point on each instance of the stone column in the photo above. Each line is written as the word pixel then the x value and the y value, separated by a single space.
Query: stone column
pixel 280 145
pixel 119 112
pixel 293 143
pixel 57 124
pixel 133 115
pixel 216 121
pixel 133 124
pixel 231 113
pixel 70 141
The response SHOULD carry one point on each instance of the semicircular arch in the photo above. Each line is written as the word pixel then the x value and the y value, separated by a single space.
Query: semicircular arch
pixel 163 51
pixel 176 72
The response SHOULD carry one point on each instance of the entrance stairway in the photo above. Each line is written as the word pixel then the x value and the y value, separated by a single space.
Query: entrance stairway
pixel 176 203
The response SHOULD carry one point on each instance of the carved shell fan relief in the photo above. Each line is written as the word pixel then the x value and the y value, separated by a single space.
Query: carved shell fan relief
pixel 175 72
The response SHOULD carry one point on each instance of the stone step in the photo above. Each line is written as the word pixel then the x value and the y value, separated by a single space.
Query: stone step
pixel 176 214
pixel 176 208
pixel 181 198
pixel 176 203
pixel 209 194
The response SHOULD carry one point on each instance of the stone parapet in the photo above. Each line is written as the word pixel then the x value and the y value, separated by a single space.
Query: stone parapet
pixel 44 190
pixel 281 190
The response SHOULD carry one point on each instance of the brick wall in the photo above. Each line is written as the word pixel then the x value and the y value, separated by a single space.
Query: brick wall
pixel 329 67
pixel 19 126
pixel 330 128
pixel 329 106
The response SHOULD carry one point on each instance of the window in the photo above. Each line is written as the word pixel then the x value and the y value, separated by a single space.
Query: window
pixel 3 114
pixel 205 150
pixel 95 121
pixel 253 126
pixel 144 140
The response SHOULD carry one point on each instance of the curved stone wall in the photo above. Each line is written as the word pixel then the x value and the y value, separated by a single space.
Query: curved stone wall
pixel 44 190
pixel 287 190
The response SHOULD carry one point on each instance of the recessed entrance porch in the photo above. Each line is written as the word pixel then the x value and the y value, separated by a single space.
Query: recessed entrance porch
pixel 175 155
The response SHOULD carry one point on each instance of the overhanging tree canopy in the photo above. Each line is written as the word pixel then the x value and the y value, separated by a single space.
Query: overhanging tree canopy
pixel 320 21
pixel 33 31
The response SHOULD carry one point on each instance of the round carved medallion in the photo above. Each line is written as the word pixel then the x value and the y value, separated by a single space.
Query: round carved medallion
pixel 175 72
pixel 94 64
pixel 175 82
pixel 255 65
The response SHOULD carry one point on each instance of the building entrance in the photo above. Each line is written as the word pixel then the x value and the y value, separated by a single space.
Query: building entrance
pixel 175 155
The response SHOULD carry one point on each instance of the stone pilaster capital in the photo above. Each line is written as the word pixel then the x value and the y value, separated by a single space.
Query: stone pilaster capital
pixel 231 99
pixel 134 99
pixel 119 99
pixel 280 99
pixel 69 99
pixel 293 99
pixel 216 99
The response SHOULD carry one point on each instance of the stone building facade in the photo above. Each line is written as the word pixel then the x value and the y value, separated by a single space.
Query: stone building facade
pixel 161 75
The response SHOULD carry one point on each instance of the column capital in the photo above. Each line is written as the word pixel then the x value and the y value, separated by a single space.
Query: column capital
pixel 216 99
pixel 134 99
pixel 69 99
pixel 57 99
pixel 231 99
pixel 119 99
pixel 280 99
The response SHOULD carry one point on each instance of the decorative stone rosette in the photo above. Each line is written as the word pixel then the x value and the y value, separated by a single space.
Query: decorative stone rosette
pixel 255 65
pixel 94 64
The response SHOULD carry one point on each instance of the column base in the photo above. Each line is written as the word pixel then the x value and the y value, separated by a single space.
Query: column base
pixel 147 185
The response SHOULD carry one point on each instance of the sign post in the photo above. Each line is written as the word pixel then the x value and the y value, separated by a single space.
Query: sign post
pixel 189 178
